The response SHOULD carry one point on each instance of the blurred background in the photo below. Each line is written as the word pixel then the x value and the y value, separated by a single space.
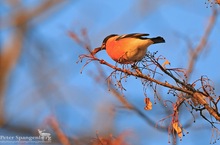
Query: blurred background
pixel 41 86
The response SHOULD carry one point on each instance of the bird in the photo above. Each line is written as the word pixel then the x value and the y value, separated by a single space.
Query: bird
pixel 127 48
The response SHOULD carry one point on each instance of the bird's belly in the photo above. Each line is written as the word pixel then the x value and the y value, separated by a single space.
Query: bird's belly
pixel 136 54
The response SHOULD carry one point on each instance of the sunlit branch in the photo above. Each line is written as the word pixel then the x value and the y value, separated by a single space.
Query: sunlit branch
pixel 202 44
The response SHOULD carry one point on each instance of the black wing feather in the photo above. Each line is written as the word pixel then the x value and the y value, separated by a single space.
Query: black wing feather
pixel 133 35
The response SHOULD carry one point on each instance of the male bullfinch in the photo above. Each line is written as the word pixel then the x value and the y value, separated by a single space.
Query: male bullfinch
pixel 127 48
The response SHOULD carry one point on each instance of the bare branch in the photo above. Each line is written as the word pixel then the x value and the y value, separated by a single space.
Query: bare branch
pixel 202 44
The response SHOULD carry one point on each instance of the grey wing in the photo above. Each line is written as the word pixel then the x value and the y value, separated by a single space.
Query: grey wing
pixel 133 35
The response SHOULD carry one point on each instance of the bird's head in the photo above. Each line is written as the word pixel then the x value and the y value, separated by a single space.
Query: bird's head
pixel 96 50
pixel 106 39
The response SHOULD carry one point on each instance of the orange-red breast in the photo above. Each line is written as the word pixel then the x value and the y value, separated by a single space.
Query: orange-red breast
pixel 128 48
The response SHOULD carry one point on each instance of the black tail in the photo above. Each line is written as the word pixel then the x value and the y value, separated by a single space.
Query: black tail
pixel 158 39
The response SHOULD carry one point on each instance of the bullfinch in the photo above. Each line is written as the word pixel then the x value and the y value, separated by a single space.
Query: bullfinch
pixel 127 48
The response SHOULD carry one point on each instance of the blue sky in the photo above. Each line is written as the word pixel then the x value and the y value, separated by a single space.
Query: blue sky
pixel 76 99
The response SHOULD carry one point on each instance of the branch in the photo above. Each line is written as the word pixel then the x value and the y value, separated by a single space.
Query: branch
pixel 195 53
pixel 201 99
pixel 10 53
pixel 60 135
pixel 142 76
